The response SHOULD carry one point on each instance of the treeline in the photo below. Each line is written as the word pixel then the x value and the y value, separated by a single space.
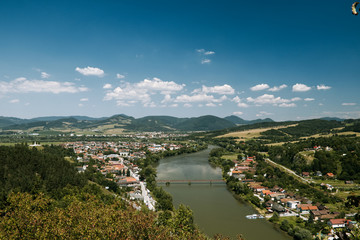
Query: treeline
pixel 44 197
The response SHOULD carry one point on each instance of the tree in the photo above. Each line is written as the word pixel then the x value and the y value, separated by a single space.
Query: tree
pixel 302 234
pixel 275 217
pixel 183 219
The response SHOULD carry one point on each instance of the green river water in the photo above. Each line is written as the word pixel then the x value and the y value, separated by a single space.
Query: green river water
pixel 215 209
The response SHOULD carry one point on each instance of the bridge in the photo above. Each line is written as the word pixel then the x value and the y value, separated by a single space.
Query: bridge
pixel 190 181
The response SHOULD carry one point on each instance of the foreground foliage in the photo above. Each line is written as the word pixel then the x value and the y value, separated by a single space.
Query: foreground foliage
pixel 44 197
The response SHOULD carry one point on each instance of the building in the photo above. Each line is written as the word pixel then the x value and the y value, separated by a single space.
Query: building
pixel 337 223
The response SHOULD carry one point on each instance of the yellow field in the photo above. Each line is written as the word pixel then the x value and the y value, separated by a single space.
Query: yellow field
pixel 252 133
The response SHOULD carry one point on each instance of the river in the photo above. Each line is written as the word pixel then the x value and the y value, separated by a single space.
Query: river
pixel 214 207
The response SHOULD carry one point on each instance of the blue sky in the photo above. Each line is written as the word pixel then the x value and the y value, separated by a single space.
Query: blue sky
pixel 287 60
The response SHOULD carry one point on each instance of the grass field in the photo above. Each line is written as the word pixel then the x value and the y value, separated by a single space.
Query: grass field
pixel 252 133
pixel 230 156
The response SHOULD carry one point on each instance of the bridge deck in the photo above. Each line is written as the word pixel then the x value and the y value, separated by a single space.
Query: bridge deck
pixel 191 181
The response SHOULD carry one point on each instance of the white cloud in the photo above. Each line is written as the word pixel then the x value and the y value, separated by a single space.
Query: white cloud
pixel 187 105
pixel 200 50
pixel 224 89
pixel 167 99
pixel 237 113
pixel 239 102
pixel 90 71
pixel 299 87
pixel 80 105
pixel 127 95
pixel 174 105
pixel 107 86
pixel 322 87
pixel 209 52
pixel 295 99
pixel 348 104
pixel 276 89
pixel 45 75
pixel 84 99
pixel 210 105
pixel 159 85
pixel 309 99
pixel 141 92
pixel 195 98
pixel 23 85
pixel 267 99
pixel 14 101
pixel 119 76
pixel 263 113
pixel 206 60
pixel 287 105
pixel 259 87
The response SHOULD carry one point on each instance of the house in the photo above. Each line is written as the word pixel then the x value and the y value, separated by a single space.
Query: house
pixel 292 204
pixel 330 175
pixel 317 215
pixel 337 223
pixel 278 208
pixel 277 196
pixel 127 181
pixel 269 204
pixel 306 208
pixel 305 174
pixel 318 173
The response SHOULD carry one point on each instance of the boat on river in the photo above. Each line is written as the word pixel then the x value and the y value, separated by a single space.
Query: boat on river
pixel 254 216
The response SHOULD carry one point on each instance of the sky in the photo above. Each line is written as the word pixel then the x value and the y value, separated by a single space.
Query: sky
pixel 285 60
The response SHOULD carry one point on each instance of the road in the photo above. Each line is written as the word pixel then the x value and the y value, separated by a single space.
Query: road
pixel 291 172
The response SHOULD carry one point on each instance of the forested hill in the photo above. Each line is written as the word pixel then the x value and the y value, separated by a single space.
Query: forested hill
pixel 42 196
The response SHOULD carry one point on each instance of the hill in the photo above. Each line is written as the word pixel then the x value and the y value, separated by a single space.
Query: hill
pixel 239 121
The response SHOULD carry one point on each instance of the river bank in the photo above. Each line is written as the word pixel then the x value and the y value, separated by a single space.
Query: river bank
pixel 216 210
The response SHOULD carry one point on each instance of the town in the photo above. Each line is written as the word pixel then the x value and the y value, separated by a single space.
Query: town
pixel 116 161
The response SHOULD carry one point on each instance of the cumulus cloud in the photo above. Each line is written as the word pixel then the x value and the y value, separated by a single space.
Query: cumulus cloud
pixel 204 52
pixel 267 99
pixel 276 89
pixel 205 55
pixel 309 99
pixel 209 52
pixel 287 105
pixel 263 113
pixel 259 87
pixel 224 89
pixel 45 75
pixel 299 87
pixel 322 87
pixel 206 60
pixel 14 101
pixel 157 84
pixel 141 92
pixel 119 76
pixel 237 113
pixel 195 98
pixel 187 105
pixel 90 71
pixel 239 102
pixel 348 104
pixel 84 99
pixel 107 86
pixel 127 95
pixel 210 105
pixel 23 85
